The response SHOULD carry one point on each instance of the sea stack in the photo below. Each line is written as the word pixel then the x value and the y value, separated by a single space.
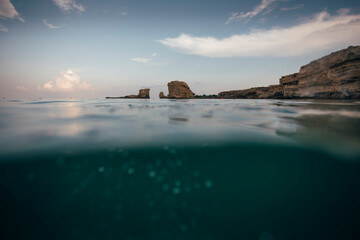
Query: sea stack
pixel 162 95
pixel 144 93
pixel 335 76
pixel 178 90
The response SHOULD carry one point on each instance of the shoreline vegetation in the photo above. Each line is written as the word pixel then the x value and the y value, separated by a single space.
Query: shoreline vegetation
pixel 335 76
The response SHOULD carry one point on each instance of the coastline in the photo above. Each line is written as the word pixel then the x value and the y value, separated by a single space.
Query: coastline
pixel 335 76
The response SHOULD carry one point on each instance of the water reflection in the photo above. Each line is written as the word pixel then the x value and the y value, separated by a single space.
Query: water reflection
pixel 137 122
pixel 178 118
pixel 67 110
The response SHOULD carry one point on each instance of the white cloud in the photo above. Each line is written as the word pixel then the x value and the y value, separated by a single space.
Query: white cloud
pixel 265 4
pixel 68 81
pixel 69 5
pixel 49 25
pixel 144 59
pixel 292 8
pixel 141 59
pixel 3 28
pixel 321 32
pixel 22 88
pixel 8 11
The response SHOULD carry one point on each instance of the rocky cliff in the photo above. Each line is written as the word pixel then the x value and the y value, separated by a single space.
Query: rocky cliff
pixel 274 91
pixel 178 90
pixel 335 76
pixel 143 93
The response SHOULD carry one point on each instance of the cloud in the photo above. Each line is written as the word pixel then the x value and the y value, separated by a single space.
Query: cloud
pixel 141 59
pixel 22 88
pixel 49 25
pixel 3 28
pixel 69 5
pixel 264 5
pixel 8 11
pixel 292 8
pixel 68 81
pixel 144 59
pixel 124 11
pixel 320 32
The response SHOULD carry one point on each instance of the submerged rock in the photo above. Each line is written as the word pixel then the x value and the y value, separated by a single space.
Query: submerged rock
pixel 143 93
pixel 178 90
pixel 335 76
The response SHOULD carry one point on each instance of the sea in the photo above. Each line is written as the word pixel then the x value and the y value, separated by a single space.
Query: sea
pixel 179 169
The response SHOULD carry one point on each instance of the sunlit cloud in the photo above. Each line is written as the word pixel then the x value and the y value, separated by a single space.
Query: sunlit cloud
pixel 68 81
pixel 69 5
pixel 144 59
pixel 320 32
pixel 49 25
pixel 8 11
pixel 263 7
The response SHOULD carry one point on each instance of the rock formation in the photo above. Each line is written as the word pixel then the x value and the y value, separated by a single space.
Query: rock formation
pixel 273 91
pixel 335 76
pixel 213 96
pixel 143 93
pixel 178 90
pixel 162 95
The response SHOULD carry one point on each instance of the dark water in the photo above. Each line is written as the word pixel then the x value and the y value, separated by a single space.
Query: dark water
pixel 199 169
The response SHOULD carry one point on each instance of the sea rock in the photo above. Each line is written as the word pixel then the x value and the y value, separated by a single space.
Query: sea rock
pixel 143 93
pixel 178 90
pixel 213 96
pixel 162 95
pixel 335 76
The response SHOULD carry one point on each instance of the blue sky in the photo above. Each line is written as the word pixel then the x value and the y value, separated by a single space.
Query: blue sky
pixel 91 48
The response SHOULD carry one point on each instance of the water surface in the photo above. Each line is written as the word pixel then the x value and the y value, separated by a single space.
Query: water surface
pixel 191 169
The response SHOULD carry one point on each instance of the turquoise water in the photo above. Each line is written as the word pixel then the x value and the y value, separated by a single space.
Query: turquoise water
pixel 192 169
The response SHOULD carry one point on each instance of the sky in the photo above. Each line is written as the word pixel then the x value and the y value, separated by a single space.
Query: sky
pixel 94 49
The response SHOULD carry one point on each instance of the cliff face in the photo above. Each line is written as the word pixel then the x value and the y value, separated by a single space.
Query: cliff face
pixel 178 90
pixel 274 91
pixel 335 76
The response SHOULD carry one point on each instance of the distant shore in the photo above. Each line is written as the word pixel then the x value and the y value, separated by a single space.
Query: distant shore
pixel 335 76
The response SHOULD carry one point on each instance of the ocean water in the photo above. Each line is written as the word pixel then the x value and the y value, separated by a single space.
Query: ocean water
pixel 179 169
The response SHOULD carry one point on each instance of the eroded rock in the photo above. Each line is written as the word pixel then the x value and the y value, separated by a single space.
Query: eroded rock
pixel 271 92
pixel 335 76
pixel 178 90
pixel 143 93
pixel 162 95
